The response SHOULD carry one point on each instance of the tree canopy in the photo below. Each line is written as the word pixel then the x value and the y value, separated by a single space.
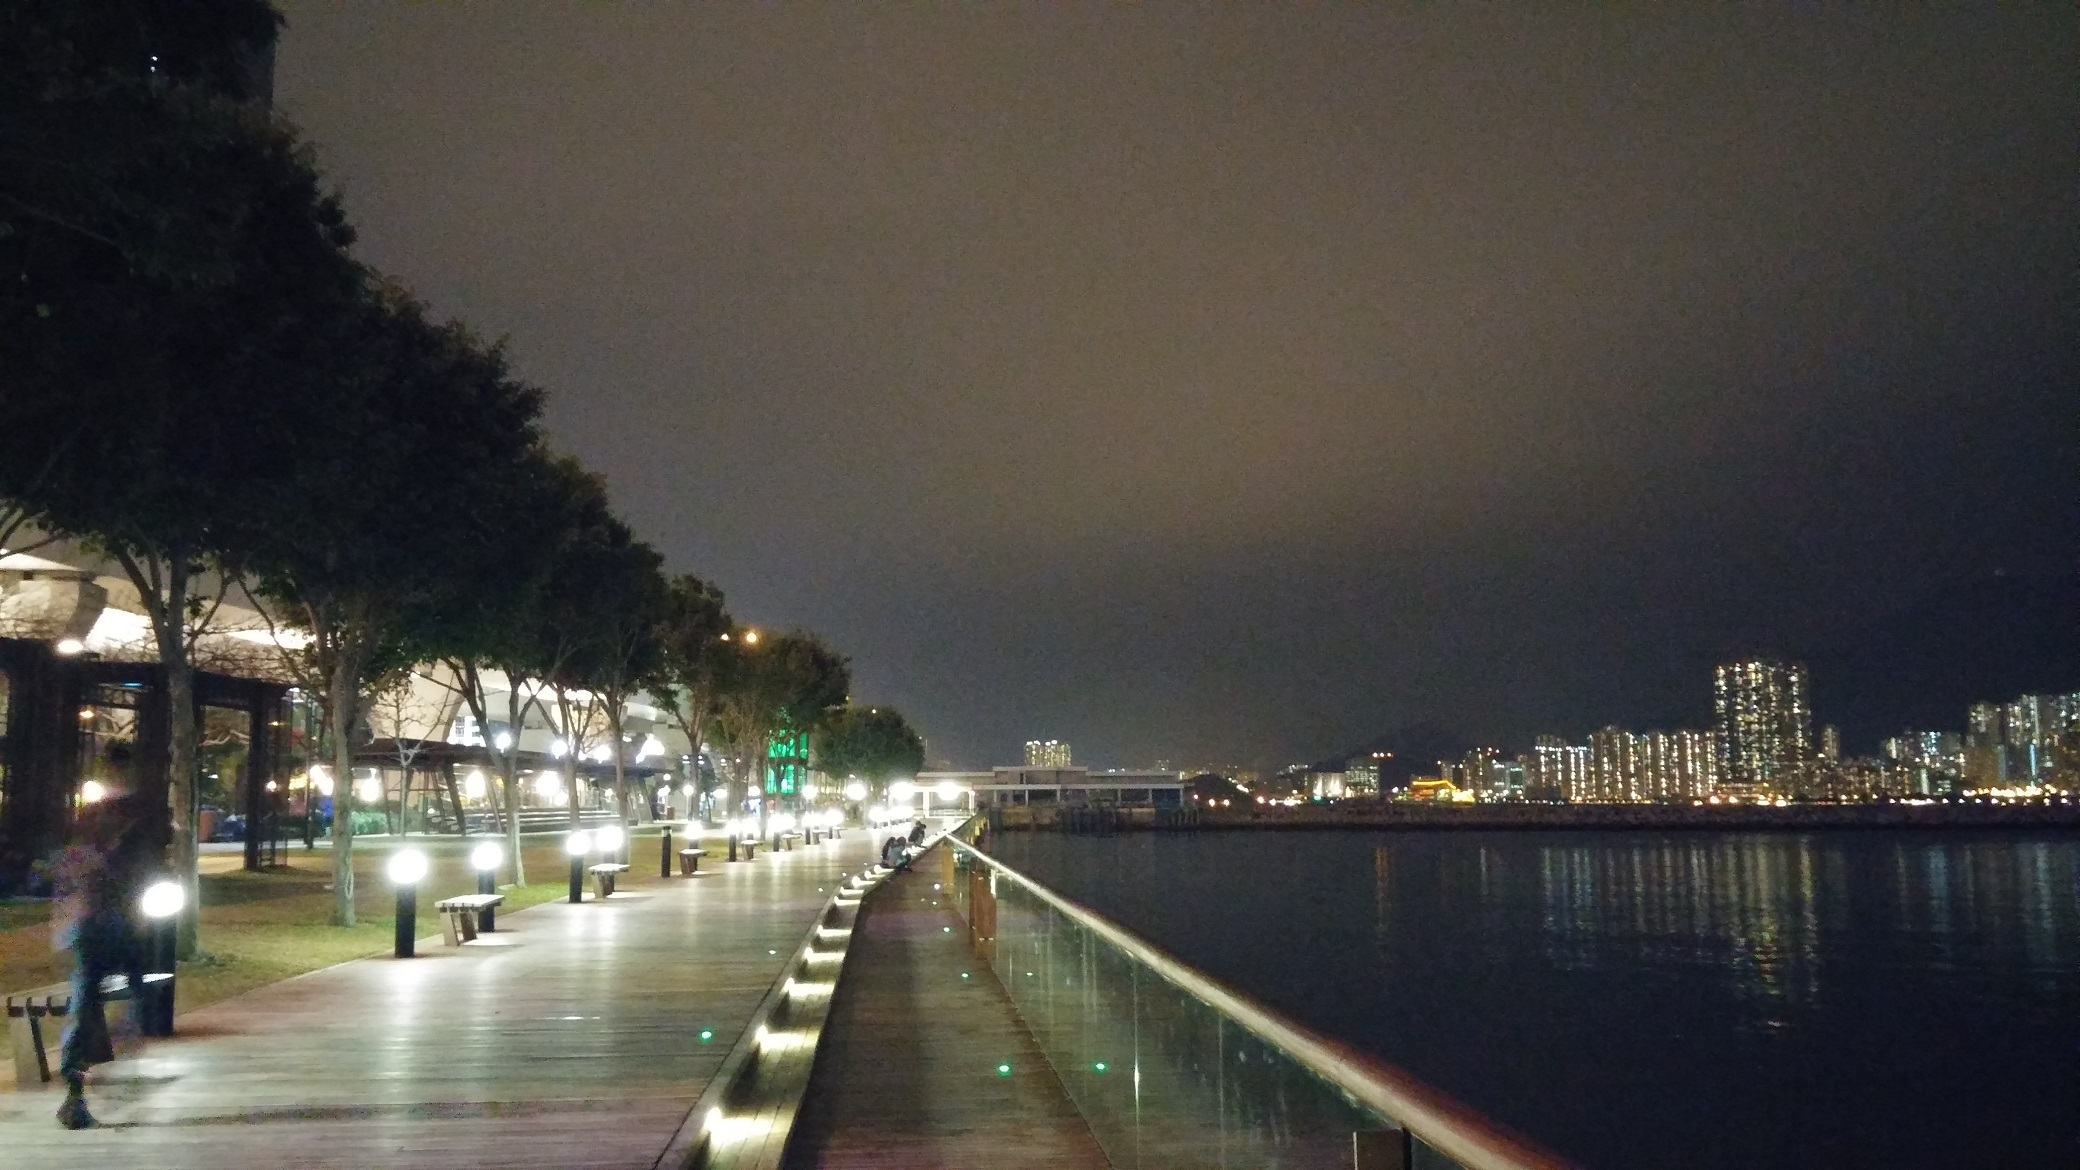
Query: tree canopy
pixel 873 743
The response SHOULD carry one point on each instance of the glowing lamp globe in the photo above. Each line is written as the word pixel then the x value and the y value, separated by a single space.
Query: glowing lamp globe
pixel 578 844
pixel 607 838
pixel 406 867
pixel 487 856
pixel 163 900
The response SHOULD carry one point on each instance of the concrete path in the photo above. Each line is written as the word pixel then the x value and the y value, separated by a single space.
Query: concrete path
pixel 572 1038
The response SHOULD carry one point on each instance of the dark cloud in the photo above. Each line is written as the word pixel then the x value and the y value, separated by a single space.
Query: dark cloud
pixel 1232 384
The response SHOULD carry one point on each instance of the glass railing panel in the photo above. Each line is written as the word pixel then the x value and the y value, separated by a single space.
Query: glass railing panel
pixel 1163 1078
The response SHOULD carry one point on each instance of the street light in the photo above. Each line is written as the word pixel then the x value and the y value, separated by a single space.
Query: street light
pixel 161 904
pixel 578 844
pixel 407 868
pixel 486 859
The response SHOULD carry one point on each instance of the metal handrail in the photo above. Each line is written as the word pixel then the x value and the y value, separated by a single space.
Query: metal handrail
pixel 1451 1127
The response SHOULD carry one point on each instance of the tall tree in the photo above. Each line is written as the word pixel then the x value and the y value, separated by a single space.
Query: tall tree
pixel 693 657
pixel 554 501
pixel 621 653
pixel 784 681
pixel 873 743
pixel 165 256
pixel 374 574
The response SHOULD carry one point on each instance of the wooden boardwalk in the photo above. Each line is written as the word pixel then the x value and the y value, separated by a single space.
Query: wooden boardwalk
pixel 908 1075
pixel 569 1039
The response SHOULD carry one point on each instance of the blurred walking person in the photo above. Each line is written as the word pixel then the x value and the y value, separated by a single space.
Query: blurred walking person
pixel 96 883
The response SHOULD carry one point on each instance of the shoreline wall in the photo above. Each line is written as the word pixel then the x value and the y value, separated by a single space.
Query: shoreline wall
pixel 2051 814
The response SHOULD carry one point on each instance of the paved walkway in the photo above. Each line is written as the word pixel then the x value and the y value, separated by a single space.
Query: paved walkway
pixel 909 1077
pixel 568 1039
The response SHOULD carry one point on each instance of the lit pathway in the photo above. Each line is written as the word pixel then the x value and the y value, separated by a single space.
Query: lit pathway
pixel 925 1063
pixel 571 1042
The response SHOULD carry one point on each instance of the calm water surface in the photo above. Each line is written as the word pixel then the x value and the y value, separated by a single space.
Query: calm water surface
pixel 1644 999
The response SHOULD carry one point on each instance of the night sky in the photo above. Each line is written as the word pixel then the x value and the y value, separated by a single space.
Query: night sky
pixel 1233 385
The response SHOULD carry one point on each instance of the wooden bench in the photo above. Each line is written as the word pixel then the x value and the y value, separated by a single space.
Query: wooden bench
pixel 33 1027
pixel 788 839
pixel 603 876
pixel 462 915
pixel 690 861
pixel 748 845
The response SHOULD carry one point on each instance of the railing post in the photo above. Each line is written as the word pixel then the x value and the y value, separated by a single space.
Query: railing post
pixel 982 915
pixel 1381 1149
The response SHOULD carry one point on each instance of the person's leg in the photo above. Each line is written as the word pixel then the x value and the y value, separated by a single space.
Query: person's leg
pixel 82 1018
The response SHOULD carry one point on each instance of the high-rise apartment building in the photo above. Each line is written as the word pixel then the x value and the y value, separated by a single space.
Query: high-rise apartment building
pixel 1616 759
pixel 1925 763
pixel 1481 771
pixel 1765 724
pixel 1680 765
pixel 1561 770
pixel 1047 753
pixel 1830 742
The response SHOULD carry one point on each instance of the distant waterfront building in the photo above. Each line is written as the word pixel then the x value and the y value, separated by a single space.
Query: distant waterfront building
pixel 1047 785
pixel 1765 725
pixel 1925 763
pixel 1680 765
pixel 1830 742
pixel 1560 770
pixel 1361 774
pixel 1047 753
pixel 1481 772
pixel 1616 757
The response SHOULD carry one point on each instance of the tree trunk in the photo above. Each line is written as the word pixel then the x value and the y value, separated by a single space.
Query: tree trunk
pixel 570 774
pixel 614 721
pixel 181 755
pixel 509 775
pixel 345 684
pixel 164 592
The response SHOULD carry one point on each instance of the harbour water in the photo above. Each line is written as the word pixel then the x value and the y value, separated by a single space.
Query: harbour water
pixel 1636 999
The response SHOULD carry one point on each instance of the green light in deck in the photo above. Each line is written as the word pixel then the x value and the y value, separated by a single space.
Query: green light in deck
pixel 964 974
pixel 1003 1070
pixel 1098 1067
pixel 707 1034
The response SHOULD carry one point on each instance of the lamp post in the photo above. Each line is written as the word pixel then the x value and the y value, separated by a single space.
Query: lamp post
pixel 162 904
pixel 578 844
pixel 486 859
pixel 664 852
pixel 407 868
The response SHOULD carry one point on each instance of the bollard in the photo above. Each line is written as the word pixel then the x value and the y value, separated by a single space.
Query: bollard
pixel 578 844
pixel 732 846
pixel 162 904
pixel 664 854
pixel 407 868
pixel 486 859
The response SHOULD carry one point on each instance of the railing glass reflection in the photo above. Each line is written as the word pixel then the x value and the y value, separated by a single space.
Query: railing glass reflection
pixel 1170 1069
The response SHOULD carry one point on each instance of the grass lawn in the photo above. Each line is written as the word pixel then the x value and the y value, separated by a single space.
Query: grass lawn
pixel 260 927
